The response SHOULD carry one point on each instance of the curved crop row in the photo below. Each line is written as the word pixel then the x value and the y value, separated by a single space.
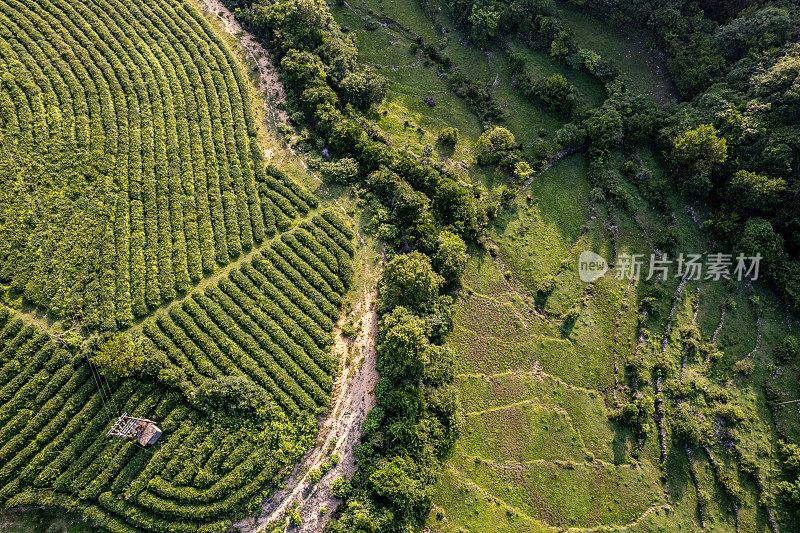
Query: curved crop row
pixel 271 319
pixel 154 175
pixel 55 451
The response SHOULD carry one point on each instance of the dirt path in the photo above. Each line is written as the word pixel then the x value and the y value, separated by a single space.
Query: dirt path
pixel 269 85
pixel 340 431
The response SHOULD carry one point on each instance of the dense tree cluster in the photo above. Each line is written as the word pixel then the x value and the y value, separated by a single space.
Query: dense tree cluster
pixel 417 415
pixel 736 143
pixel 790 488
pixel 121 356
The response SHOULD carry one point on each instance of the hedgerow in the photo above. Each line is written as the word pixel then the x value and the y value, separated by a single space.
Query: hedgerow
pixel 268 319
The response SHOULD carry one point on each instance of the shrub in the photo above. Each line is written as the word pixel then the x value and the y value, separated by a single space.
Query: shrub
pixel 788 349
pixel 744 367
pixel 349 330
pixel 315 475
pixel 238 394
pixel 341 487
pixel 689 427
pixel 496 147
pixel 448 137
pixel 121 356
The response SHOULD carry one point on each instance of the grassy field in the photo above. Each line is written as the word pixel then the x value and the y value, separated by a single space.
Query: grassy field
pixel 539 451
pixel 37 521
pixel 521 362
pixel 405 116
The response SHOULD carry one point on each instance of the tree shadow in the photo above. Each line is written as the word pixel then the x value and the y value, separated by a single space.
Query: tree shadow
pixel 445 151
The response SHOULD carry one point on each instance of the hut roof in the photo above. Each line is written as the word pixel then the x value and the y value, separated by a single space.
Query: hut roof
pixel 150 434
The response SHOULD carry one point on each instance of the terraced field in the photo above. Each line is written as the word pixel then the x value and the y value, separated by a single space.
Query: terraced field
pixel 541 448
pixel 134 195
pixel 130 166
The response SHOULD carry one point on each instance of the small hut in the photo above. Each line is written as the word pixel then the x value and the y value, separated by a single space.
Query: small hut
pixel 149 434
pixel 145 431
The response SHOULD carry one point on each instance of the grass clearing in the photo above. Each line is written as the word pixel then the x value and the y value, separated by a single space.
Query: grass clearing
pixel 646 74
pixel 521 432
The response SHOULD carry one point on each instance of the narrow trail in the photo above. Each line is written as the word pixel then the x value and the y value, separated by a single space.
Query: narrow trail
pixel 340 432
pixel 220 273
pixel 758 340
pixel 659 414
pixel 694 322
pixel 693 474
pixel 42 319
pixel 536 373
pixel 270 86
pixel 512 286
pixel 617 326
pixel 716 468
pixel 636 350
pixel 721 322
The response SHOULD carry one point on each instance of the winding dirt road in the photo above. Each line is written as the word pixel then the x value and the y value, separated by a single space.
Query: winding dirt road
pixel 339 434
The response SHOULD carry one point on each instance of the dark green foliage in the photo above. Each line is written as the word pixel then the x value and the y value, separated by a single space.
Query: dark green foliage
pixel 451 256
pixel 759 238
pixel 237 394
pixel 396 482
pixel 121 356
pixel 689 427
pixel 403 346
pixel 408 281
pixel 496 146
pixel 555 91
pixel 736 62
pixel 363 88
pixel 479 100
pixel 343 171
pixel 571 136
pixel 763 29
pixel 789 489
pixel 341 487
pixel 788 349
pixel 696 64
pixel 448 137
